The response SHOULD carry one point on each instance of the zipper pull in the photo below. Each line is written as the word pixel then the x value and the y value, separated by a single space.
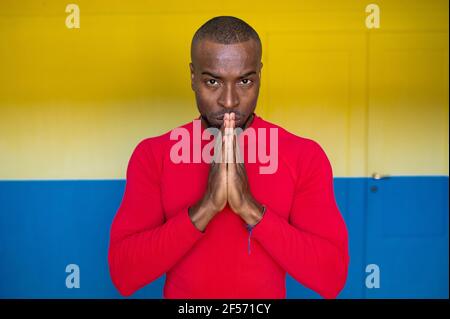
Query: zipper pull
pixel 249 228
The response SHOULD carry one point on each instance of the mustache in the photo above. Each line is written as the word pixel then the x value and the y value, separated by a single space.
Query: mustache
pixel 221 114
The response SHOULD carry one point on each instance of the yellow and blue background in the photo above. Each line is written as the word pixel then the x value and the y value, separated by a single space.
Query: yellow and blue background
pixel 75 102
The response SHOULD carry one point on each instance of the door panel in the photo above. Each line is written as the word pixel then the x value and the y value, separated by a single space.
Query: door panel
pixel 407 225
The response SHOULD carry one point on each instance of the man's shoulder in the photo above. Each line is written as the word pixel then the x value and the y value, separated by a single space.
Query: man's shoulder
pixel 292 141
pixel 305 152
pixel 158 143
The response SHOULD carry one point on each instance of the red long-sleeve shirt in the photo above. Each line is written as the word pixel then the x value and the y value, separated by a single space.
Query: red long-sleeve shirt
pixel 301 233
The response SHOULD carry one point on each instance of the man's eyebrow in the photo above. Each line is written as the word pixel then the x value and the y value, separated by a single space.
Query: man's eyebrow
pixel 247 74
pixel 219 77
pixel 211 74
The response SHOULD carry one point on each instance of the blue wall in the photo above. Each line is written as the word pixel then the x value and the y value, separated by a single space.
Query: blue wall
pixel 400 224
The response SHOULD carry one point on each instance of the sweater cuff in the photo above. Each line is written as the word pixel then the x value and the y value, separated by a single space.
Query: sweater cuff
pixel 265 227
pixel 186 227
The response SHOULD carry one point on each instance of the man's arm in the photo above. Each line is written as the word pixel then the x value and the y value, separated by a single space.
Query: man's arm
pixel 313 246
pixel 143 246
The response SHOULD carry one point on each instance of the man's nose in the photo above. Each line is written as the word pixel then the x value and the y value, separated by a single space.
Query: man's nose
pixel 229 97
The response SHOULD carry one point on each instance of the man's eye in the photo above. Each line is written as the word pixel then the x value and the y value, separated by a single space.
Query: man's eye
pixel 246 81
pixel 212 82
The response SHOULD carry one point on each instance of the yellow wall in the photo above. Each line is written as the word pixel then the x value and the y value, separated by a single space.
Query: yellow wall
pixel 75 102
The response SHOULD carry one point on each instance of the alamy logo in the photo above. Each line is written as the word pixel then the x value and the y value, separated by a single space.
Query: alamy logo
pixel 373 19
pixel 73 279
pixel 73 19
pixel 262 146
pixel 373 277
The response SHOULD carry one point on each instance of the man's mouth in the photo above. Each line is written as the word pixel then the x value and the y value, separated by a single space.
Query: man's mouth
pixel 236 118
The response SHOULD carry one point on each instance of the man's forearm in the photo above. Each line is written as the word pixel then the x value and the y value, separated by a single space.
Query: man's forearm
pixel 252 213
pixel 201 214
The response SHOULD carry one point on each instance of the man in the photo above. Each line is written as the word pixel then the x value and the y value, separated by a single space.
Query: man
pixel 222 228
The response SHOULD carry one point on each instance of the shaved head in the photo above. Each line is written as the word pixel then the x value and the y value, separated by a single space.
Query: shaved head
pixel 226 30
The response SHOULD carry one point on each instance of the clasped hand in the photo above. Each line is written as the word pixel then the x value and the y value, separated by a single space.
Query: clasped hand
pixel 228 181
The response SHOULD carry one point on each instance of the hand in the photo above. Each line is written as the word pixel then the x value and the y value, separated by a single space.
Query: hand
pixel 240 198
pixel 216 191
pixel 215 197
pixel 227 182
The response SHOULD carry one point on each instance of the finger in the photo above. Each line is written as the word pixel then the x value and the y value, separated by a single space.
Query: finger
pixel 226 138
pixel 229 148
pixel 227 123
pixel 226 120
pixel 231 156
pixel 241 169
pixel 236 150
pixel 224 151
pixel 233 139
pixel 230 152
pixel 223 148
pixel 231 168
pixel 218 141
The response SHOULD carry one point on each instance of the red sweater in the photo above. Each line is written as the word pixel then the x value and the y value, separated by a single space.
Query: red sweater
pixel 301 233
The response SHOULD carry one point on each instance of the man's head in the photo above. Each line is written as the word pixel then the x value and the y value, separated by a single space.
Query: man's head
pixel 226 69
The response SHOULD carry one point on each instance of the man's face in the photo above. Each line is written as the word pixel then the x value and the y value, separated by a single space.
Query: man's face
pixel 225 79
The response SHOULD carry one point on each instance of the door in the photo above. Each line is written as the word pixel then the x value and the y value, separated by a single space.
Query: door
pixel 407 193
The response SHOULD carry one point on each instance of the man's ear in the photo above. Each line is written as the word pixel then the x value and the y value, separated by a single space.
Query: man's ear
pixel 191 67
pixel 260 67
